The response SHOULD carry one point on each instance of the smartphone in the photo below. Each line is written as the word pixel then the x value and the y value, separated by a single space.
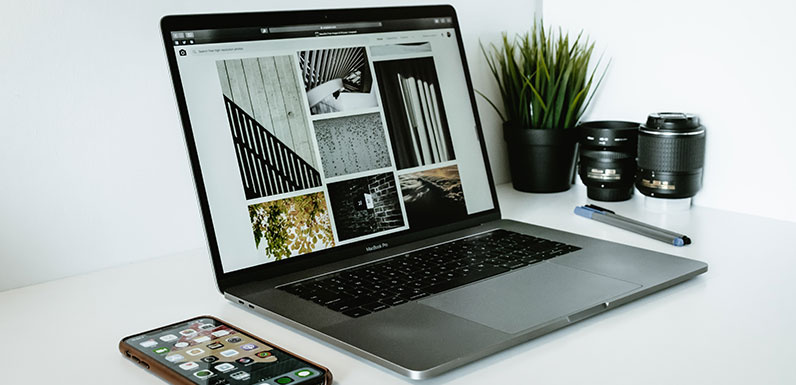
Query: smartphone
pixel 208 351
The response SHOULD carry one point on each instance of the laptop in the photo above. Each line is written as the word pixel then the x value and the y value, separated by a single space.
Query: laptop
pixel 345 190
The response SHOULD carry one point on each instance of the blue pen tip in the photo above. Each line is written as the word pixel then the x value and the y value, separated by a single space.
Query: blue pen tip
pixel 678 242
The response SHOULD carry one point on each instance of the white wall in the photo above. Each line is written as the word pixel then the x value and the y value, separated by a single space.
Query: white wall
pixel 731 62
pixel 92 165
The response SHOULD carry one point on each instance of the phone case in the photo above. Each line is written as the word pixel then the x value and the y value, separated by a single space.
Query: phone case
pixel 172 377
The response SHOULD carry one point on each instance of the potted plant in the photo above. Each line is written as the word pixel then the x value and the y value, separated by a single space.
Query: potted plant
pixel 544 83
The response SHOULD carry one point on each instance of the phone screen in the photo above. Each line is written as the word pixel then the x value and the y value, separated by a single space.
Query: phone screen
pixel 209 352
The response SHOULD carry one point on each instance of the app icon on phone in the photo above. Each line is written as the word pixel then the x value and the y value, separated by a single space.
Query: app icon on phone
pixel 284 380
pixel 234 340
pixel 304 373
pixel 229 353
pixel 187 332
pixel 246 361
pixel 225 367
pixel 161 350
pixel 202 339
pixel 175 358
pixel 195 352
pixel 148 343
pixel 248 347
pixel 263 354
pixel 206 326
pixel 180 345
pixel 190 365
pixel 168 338
pixel 240 376
pixel 220 333
pixel 204 374
pixel 210 359
pixel 215 345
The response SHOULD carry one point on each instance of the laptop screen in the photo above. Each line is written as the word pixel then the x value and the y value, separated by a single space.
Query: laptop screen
pixel 314 136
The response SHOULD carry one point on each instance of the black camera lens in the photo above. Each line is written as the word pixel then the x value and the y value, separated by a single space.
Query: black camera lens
pixel 608 159
pixel 671 155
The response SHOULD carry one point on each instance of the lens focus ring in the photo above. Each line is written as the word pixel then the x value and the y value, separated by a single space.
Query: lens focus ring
pixel 671 154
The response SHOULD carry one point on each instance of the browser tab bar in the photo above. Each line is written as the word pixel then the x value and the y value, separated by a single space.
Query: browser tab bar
pixel 324 27
pixel 206 36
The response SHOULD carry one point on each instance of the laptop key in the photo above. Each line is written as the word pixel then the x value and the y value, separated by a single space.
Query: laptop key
pixel 295 289
pixel 340 306
pixel 514 265
pixel 323 297
pixel 375 306
pixel 356 312
pixel 434 281
pixel 324 302
pixel 357 292
pixel 392 282
pixel 418 284
pixel 400 289
pixel 340 288
pixel 382 294
pixel 412 295
pixel 361 300
pixel 394 301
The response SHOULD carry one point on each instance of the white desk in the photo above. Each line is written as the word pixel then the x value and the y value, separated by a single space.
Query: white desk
pixel 733 325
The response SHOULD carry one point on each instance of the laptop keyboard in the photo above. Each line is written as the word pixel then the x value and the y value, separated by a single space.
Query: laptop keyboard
pixel 379 285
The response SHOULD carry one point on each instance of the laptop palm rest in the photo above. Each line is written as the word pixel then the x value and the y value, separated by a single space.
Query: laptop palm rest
pixel 529 297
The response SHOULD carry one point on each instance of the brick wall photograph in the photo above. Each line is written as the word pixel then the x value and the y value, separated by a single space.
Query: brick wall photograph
pixel 366 205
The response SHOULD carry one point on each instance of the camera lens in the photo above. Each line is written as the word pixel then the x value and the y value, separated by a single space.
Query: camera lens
pixel 608 159
pixel 671 155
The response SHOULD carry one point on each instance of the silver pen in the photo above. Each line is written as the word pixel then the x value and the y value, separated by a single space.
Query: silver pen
pixel 606 216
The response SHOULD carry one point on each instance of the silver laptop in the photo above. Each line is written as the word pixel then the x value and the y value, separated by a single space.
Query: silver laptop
pixel 345 190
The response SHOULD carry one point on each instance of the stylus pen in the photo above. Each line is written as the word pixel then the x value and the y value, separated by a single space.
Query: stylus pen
pixel 606 216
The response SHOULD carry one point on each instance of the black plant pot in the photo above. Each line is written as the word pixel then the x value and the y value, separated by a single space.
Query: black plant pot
pixel 541 161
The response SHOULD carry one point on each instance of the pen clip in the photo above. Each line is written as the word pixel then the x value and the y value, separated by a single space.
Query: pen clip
pixel 599 209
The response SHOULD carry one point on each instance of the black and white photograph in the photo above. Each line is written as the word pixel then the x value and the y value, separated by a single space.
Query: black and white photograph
pixel 433 197
pixel 415 112
pixel 337 80
pixel 365 206
pixel 269 125
pixel 352 144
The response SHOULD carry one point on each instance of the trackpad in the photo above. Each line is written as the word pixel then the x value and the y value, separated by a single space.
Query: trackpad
pixel 529 297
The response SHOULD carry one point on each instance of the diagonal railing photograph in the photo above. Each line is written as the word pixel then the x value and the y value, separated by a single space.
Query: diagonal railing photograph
pixel 267 166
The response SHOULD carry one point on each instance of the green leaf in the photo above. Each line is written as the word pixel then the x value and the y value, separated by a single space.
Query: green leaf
pixel 491 104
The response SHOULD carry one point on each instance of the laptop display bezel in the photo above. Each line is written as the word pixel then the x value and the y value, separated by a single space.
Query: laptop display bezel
pixel 236 20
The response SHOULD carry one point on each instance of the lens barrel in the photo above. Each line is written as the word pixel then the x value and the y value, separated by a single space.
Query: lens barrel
pixel 671 155
pixel 608 159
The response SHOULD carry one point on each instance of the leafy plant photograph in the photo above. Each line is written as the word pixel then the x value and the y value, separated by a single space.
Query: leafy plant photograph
pixel 292 226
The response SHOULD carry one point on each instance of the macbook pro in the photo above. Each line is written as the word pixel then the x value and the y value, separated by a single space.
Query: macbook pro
pixel 345 190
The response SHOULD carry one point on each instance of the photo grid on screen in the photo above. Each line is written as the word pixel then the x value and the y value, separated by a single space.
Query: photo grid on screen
pixel 330 154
